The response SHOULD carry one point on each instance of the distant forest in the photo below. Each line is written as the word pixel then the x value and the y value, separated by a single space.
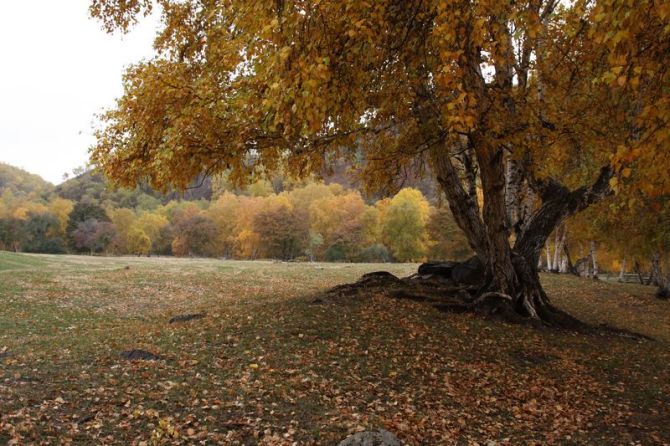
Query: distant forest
pixel 277 218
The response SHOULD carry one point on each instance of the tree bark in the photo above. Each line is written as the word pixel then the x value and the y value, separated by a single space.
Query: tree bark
pixel 513 185
pixel 464 209
pixel 500 271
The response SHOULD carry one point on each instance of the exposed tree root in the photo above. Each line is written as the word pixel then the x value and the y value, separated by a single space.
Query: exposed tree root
pixel 448 296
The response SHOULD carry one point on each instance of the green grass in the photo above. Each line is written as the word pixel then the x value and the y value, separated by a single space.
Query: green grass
pixel 266 366
pixel 10 261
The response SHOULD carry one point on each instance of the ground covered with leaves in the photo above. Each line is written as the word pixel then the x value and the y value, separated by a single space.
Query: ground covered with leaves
pixel 271 365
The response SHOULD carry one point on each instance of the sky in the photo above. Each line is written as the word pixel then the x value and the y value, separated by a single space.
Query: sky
pixel 58 70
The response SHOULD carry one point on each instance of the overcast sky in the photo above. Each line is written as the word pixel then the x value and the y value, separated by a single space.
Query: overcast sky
pixel 58 70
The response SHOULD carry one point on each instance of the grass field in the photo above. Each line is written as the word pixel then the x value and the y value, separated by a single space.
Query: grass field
pixel 267 366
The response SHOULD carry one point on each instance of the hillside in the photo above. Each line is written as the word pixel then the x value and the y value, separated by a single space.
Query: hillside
pixel 23 184
pixel 92 186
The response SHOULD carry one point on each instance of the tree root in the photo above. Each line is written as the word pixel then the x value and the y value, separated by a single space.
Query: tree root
pixel 450 297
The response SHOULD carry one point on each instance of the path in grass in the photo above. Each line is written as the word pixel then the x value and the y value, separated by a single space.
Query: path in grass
pixel 267 366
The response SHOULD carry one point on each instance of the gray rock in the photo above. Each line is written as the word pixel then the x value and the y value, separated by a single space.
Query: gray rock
pixel 139 355
pixel 187 317
pixel 380 437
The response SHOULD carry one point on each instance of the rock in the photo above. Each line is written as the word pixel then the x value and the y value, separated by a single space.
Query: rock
pixel 187 317
pixel 380 437
pixel 139 355
pixel 442 269
pixel 378 278
pixel 470 272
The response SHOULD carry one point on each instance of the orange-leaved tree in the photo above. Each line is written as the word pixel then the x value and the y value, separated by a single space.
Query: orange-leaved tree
pixel 545 105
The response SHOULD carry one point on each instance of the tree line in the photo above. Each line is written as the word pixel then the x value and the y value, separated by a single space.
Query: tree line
pixel 311 221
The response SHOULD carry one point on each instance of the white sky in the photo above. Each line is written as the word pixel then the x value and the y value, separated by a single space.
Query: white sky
pixel 57 70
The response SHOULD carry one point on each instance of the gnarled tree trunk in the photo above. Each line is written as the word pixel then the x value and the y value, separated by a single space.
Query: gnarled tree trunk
pixel 511 275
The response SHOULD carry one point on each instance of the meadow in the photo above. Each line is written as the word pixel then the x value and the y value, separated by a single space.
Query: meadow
pixel 270 365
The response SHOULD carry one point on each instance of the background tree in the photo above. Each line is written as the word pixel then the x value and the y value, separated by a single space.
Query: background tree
pixel 248 244
pixel 404 228
pixel 224 213
pixel 122 218
pixel 193 234
pixel 92 235
pixel 152 226
pixel 338 219
pixel 43 234
pixel 447 240
pixel 61 209
pixel 284 233
pixel 85 212
pixel 139 242
pixel 12 233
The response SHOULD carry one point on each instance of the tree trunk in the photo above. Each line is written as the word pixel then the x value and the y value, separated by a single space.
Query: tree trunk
pixel 570 267
pixel 655 277
pixel 513 184
pixel 622 271
pixel 638 269
pixel 557 256
pixel 594 260
pixel 550 265
pixel 560 242
pixel 511 276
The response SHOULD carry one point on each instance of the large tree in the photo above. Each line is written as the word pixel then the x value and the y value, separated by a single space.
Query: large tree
pixel 545 105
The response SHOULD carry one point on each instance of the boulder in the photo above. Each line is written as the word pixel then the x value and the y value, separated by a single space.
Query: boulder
pixel 442 269
pixel 470 272
pixel 380 437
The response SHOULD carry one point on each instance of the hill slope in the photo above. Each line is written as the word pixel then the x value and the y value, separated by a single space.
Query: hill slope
pixel 21 183
pixel 92 186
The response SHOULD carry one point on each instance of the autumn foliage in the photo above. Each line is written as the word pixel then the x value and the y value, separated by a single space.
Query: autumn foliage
pixel 308 221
